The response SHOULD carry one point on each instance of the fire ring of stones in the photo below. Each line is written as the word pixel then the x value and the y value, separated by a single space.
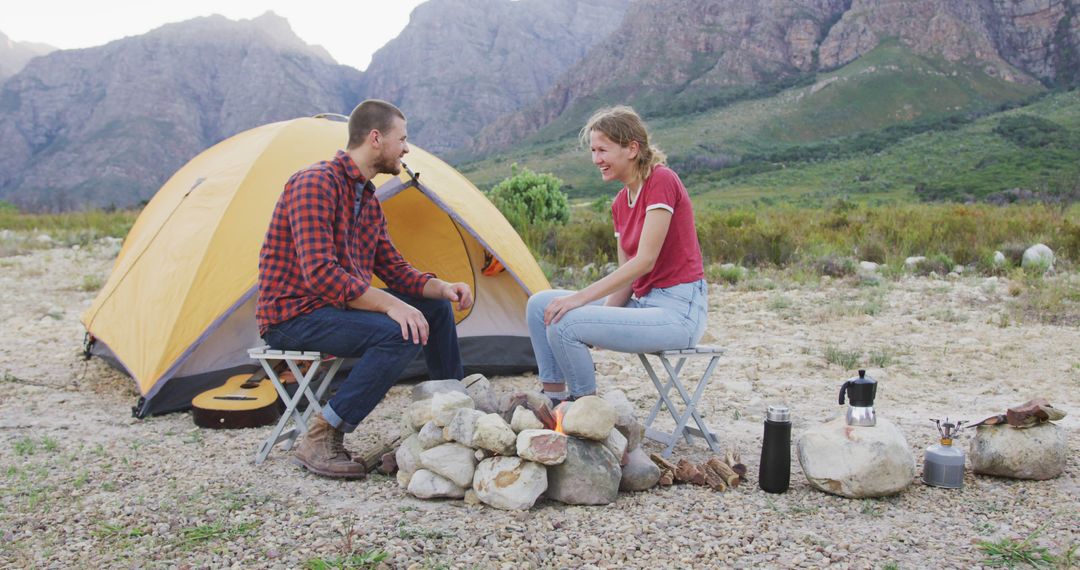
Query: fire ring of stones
pixel 506 451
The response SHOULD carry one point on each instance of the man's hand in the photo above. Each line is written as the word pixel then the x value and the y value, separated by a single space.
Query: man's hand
pixel 413 324
pixel 460 293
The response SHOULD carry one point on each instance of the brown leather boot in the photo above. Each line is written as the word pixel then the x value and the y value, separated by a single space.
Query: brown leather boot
pixel 322 452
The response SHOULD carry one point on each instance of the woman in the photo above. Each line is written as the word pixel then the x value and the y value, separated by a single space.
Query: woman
pixel 656 299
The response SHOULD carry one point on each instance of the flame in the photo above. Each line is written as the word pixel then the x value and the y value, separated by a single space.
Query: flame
pixel 559 412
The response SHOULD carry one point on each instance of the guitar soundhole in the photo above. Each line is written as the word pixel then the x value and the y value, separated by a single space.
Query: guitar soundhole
pixel 249 385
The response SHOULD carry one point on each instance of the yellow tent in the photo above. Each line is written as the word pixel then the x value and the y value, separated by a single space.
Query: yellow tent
pixel 177 313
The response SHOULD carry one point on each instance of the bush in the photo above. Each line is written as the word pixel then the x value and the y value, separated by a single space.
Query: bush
pixel 528 198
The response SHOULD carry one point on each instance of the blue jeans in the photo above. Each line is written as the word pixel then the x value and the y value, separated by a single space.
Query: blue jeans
pixel 664 319
pixel 383 354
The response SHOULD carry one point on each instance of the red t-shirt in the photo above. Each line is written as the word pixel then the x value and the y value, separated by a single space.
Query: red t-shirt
pixel 680 256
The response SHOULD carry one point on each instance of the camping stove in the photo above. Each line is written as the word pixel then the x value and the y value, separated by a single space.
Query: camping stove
pixel 943 464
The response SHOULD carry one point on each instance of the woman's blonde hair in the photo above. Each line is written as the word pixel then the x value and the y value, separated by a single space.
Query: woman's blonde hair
pixel 623 125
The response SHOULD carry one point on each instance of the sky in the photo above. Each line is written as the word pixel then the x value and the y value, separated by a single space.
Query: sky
pixel 351 31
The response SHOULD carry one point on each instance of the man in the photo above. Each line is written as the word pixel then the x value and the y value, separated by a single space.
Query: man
pixel 326 240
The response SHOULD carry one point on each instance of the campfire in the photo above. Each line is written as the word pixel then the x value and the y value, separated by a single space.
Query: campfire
pixel 465 441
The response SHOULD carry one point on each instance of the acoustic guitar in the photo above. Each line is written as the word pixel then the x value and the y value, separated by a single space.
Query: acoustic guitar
pixel 244 401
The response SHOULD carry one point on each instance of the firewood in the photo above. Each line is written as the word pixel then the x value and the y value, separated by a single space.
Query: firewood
pixel 372 458
pixel 543 413
pixel 725 471
pixel 687 472
pixel 735 462
pixel 714 479
pixel 667 477
pixel 388 466
pixel 662 463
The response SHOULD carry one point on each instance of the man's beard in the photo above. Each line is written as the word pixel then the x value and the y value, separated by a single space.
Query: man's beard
pixel 388 165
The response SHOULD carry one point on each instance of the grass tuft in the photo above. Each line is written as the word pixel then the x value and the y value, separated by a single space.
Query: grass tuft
pixel 846 359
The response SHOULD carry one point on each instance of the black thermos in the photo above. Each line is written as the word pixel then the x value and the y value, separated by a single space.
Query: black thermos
pixel 774 474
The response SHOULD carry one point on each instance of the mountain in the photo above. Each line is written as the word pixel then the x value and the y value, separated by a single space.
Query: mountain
pixel 726 50
pixel 107 125
pixel 14 55
pixel 461 64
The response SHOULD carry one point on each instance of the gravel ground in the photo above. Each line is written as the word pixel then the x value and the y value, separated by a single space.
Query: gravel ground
pixel 83 484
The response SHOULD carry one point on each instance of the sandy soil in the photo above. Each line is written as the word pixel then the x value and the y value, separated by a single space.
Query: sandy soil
pixel 83 484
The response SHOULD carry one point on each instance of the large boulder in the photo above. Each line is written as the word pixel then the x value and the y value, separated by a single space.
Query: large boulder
pixel 510 483
pixel 1038 257
pixel 856 461
pixel 1037 452
pixel 590 475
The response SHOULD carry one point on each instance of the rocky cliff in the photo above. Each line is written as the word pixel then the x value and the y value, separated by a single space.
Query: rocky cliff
pixel 14 55
pixel 460 64
pixel 692 52
pixel 107 125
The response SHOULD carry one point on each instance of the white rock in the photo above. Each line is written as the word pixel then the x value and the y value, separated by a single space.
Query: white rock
pixel 868 266
pixel 509 483
pixel 408 455
pixel 427 390
pixel 462 426
pixel 999 259
pixel 1038 452
pixel 590 417
pixel 856 461
pixel 427 485
pixel 494 434
pixel 451 460
pixel 616 444
pixel 1038 256
pixel 524 419
pixel 418 414
pixel 479 389
pixel 625 412
pixel 542 446
pixel 639 473
pixel 913 261
pixel 430 435
pixel 445 404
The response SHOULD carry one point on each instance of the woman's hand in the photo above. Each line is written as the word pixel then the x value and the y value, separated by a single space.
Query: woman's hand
pixel 559 307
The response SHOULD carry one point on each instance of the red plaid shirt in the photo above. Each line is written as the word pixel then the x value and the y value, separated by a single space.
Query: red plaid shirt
pixel 318 251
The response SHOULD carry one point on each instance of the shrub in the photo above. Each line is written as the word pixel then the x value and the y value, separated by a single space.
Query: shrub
pixel 835 266
pixel 527 198
pixel 938 263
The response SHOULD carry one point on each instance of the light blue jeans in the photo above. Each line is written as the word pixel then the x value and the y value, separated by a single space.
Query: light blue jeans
pixel 664 319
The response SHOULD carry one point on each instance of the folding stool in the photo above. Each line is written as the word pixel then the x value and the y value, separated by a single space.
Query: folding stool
pixel 269 358
pixel 689 402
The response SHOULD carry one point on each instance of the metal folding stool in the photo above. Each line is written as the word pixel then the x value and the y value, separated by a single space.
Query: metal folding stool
pixel 269 358
pixel 689 408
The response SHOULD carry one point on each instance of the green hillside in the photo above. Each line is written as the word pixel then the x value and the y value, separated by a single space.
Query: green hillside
pixel 874 130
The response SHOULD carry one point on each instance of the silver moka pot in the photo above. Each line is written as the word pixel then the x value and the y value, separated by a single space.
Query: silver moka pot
pixel 860 396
